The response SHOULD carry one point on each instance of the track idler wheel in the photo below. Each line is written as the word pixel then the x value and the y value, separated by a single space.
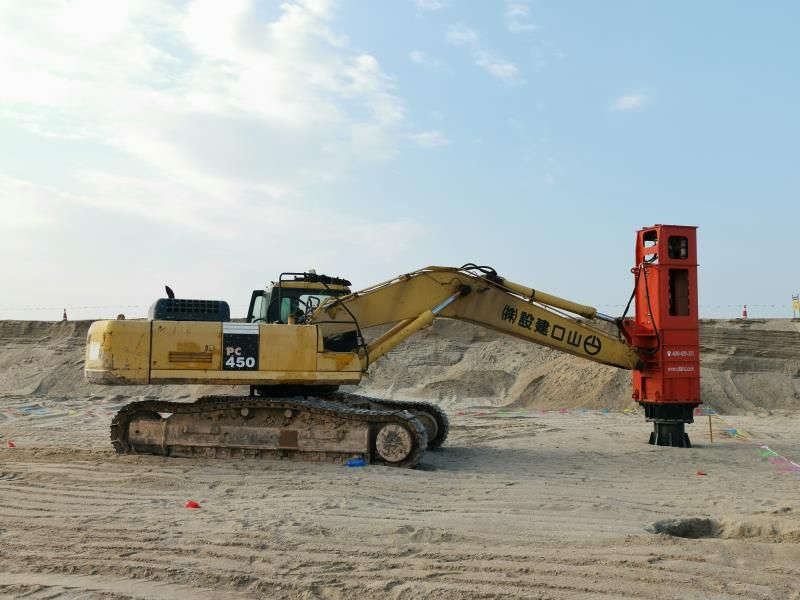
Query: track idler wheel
pixel 670 434
pixel 394 443
pixel 128 434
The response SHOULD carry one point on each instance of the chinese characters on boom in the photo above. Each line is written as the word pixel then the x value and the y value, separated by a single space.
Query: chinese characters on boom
pixel 591 344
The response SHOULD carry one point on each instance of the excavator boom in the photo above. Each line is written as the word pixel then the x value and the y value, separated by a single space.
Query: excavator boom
pixel 414 299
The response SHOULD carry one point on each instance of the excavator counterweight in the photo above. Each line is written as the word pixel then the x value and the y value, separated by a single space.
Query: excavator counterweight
pixel 304 337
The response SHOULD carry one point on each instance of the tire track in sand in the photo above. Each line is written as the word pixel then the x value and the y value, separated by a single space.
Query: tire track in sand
pixel 486 521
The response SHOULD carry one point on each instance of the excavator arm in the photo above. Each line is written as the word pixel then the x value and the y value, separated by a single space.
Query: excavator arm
pixel 477 295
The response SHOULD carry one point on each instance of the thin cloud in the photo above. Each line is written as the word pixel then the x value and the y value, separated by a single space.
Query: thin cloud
pixel 517 17
pixel 459 35
pixel 430 139
pixel 431 5
pixel 421 58
pixel 207 96
pixel 417 56
pixel 496 66
pixel 630 102
pixel 199 125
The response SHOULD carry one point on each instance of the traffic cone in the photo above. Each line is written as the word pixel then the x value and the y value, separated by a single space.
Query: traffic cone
pixel 11 444
pixel 191 504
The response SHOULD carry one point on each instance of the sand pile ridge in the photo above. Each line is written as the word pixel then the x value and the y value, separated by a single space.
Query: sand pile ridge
pixel 747 366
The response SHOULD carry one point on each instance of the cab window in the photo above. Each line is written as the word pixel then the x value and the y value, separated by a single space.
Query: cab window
pixel 259 309
pixel 286 309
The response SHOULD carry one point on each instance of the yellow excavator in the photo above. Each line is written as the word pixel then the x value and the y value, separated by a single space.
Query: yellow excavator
pixel 303 338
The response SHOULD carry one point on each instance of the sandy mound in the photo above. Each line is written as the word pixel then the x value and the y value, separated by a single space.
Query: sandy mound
pixel 747 366
pixel 45 358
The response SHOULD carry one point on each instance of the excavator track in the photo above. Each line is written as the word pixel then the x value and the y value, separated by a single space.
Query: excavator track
pixel 308 429
pixel 434 418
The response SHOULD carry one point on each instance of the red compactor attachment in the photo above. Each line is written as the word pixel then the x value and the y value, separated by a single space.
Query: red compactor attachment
pixel 666 327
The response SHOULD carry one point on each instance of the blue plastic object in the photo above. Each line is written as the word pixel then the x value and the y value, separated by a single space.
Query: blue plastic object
pixel 356 462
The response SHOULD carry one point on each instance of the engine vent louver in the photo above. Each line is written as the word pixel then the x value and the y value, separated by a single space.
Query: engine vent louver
pixel 181 309
pixel 183 357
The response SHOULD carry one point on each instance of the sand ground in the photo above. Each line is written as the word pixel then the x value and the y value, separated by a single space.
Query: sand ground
pixel 517 505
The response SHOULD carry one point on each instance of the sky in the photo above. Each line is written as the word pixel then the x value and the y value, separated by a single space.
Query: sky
pixel 212 145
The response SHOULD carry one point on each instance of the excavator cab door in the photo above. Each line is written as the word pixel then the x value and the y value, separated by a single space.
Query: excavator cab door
pixel 258 310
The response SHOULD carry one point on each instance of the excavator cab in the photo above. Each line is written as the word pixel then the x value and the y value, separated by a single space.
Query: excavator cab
pixel 294 297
